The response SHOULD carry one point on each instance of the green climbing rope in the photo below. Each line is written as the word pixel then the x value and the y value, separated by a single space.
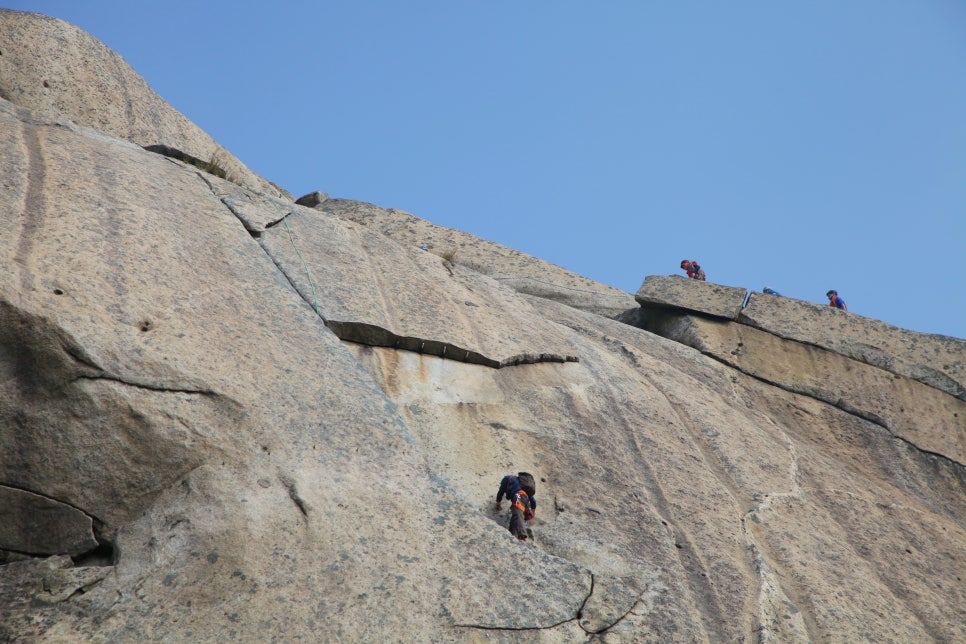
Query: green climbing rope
pixel 291 237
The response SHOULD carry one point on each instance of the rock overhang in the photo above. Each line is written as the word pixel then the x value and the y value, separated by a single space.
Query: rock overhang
pixel 680 293
pixel 860 338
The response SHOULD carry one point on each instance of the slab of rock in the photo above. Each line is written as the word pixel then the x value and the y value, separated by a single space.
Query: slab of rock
pixel 677 292
pixel 312 199
pixel 52 66
pixel 519 271
pixel 381 293
pixel 389 293
pixel 197 406
pixel 34 524
pixel 69 352
pixel 898 403
pixel 259 478
pixel 936 360
pixel 707 486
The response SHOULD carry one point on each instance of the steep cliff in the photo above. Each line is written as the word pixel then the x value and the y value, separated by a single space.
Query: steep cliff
pixel 226 415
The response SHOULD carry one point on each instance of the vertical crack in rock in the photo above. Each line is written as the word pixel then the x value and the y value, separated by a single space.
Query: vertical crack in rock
pixel 257 234
pixel 35 203
pixel 584 620
pixel 700 579
pixel 590 593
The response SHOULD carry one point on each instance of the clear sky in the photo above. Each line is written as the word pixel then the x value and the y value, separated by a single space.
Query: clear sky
pixel 798 145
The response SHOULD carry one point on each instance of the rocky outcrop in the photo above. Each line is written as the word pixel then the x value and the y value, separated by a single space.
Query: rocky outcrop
pixel 519 271
pixel 191 400
pixel 50 66
pixel 197 409
pixel 379 293
pixel 935 360
pixel 677 292
pixel 863 366
pixel 927 418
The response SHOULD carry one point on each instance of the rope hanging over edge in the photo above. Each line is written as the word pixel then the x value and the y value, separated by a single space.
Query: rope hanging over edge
pixel 308 275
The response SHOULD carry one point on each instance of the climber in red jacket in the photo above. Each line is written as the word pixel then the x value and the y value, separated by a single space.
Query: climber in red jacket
pixel 695 272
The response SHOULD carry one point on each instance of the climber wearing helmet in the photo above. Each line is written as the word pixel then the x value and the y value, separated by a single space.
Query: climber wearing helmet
pixel 694 271
pixel 835 300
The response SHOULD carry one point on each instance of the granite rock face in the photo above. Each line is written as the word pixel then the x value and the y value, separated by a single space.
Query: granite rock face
pixel 675 291
pixel 926 417
pixel 51 66
pixel 935 360
pixel 209 425
pixel 214 400
pixel 519 271
pixel 349 274
pixel 907 382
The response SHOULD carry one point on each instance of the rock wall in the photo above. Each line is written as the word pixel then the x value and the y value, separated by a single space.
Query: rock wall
pixel 935 360
pixel 519 271
pixel 228 416
pixel 50 66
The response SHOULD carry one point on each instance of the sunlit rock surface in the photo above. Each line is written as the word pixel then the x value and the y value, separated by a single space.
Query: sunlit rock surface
pixel 519 271
pixel 678 292
pixel 51 66
pixel 183 369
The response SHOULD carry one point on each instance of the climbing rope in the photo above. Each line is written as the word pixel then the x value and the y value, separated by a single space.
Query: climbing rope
pixel 308 275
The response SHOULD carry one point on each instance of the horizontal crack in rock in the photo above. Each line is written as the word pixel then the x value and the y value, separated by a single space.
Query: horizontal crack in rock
pixel 376 336
pixel 576 617
pixel 19 488
pixel 149 386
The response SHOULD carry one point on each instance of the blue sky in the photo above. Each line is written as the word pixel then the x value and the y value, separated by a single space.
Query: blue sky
pixel 802 146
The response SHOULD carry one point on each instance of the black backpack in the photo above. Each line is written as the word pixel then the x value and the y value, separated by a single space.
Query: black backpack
pixel 527 483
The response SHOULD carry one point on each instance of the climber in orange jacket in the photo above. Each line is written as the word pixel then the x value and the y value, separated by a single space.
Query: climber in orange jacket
pixel 835 300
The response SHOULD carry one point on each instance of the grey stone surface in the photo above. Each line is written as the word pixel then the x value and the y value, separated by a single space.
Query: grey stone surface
pixel 378 292
pixel 64 583
pixel 611 601
pixel 49 65
pixel 198 407
pixel 257 478
pixel 926 417
pixel 936 360
pixel 674 291
pixel 519 271
pixel 30 523
pixel 312 199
